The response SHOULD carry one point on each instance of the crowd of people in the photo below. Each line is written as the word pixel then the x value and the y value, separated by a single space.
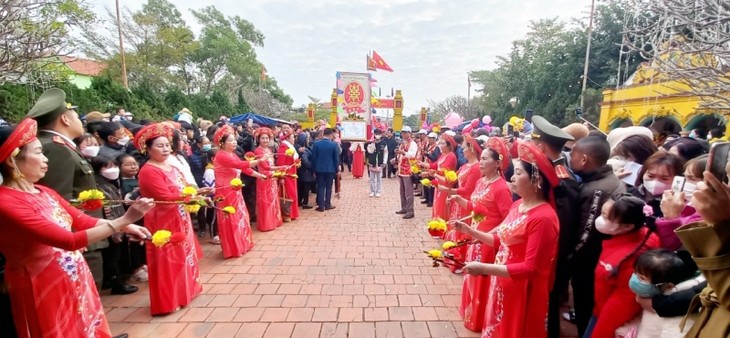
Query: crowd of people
pixel 634 225
pixel 165 185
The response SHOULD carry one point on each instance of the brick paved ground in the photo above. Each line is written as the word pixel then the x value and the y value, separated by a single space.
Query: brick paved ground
pixel 355 271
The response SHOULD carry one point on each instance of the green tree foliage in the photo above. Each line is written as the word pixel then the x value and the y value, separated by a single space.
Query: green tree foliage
pixel 169 68
pixel 34 32
pixel 544 70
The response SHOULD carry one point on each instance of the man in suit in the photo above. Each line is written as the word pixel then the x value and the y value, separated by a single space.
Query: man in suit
pixel 325 159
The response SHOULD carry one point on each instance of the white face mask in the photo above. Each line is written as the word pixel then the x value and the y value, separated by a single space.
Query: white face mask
pixel 604 227
pixel 110 173
pixel 123 141
pixel 90 151
pixel 655 188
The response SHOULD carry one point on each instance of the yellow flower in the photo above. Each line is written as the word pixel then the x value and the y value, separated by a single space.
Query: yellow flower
pixel 477 218
pixel 92 194
pixel 192 208
pixel 437 224
pixel 289 152
pixel 413 161
pixel 161 237
pixel 189 191
pixel 415 169
pixel 426 182
pixel 434 253
pixel 448 245
pixel 229 210
pixel 236 183
pixel 451 176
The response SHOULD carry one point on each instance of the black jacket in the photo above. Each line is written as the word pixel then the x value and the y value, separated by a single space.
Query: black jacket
pixel 377 157
pixel 391 143
pixel 306 170
pixel 596 188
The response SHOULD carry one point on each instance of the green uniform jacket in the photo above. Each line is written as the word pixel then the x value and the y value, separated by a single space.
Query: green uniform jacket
pixel 710 249
pixel 68 173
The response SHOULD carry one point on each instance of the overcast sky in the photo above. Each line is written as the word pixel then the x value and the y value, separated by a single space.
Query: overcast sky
pixel 431 44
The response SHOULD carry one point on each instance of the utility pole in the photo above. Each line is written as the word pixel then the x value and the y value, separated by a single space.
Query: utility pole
pixel 121 48
pixel 588 53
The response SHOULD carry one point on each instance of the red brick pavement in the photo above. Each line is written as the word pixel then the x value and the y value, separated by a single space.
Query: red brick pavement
pixel 355 271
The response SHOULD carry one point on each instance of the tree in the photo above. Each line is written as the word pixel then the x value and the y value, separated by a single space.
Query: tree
pixel 543 70
pixel 685 41
pixel 34 32
pixel 457 104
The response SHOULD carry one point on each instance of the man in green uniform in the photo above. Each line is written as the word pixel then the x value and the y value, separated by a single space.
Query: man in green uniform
pixel 551 139
pixel 68 172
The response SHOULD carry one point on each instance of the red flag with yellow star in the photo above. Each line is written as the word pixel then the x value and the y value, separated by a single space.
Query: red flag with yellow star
pixel 380 63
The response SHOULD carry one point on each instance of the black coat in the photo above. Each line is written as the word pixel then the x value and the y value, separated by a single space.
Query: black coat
pixel 377 158
pixel 306 170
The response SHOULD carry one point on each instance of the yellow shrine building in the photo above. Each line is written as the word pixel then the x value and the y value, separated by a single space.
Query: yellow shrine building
pixel 646 99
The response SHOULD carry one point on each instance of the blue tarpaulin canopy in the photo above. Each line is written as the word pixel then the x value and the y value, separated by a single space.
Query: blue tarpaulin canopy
pixel 258 119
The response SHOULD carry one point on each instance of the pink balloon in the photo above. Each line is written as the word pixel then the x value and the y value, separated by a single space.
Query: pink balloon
pixel 487 119
pixel 474 123
pixel 452 120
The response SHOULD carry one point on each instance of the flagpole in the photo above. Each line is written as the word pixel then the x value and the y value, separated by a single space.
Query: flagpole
pixel 121 48
pixel 468 95
pixel 588 53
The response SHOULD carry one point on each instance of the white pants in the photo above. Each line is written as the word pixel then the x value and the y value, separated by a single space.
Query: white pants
pixel 376 181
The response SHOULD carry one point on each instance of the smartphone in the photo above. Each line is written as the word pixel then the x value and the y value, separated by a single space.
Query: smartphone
pixel 509 131
pixel 678 184
pixel 717 160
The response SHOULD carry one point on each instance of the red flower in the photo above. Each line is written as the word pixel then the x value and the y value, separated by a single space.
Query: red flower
pixel 92 205
pixel 436 233
pixel 177 238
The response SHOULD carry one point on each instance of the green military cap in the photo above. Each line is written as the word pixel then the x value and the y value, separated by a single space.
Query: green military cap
pixel 546 132
pixel 49 106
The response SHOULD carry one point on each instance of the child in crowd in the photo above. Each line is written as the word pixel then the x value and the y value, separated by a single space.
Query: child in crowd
pixel 129 188
pixel 209 181
pixel 660 272
pixel 629 226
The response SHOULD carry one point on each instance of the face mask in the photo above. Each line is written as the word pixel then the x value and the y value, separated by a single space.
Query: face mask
pixel 655 188
pixel 604 227
pixel 90 151
pixel 206 147
pixel 123 141
pixel 688 189
pixel 377 137
pixel 110 173
pixel 641 288
pixel 692 134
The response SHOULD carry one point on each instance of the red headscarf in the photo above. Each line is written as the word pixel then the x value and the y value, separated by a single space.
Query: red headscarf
pixel 532 155
pixel 221 133
pixel 497 144
pixel 153 131
pixel 263 131
pixel 474 143
pixel 450 139
pixel 24 133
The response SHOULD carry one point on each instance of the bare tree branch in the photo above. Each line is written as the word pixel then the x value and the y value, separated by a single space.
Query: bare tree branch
pixel 687 41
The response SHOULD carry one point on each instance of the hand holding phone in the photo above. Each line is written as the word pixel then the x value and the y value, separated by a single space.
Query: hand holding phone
pixel 717 160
